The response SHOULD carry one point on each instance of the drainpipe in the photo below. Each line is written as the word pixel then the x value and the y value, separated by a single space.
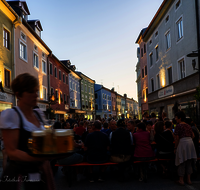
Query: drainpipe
pixel 16 23
pixel 198 43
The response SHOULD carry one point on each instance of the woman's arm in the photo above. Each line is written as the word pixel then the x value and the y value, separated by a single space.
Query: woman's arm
pixel 11 138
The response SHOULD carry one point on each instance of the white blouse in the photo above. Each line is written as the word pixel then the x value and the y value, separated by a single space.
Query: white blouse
pixel 10 120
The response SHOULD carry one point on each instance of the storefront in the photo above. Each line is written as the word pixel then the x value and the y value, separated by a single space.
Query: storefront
pixel 167 101
pixel 76 113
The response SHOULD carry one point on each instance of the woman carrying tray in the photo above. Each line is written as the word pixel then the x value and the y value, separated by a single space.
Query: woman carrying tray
pixel 17 125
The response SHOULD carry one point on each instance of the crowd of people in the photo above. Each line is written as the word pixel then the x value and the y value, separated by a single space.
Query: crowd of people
pixel 108 140
pixel 126 140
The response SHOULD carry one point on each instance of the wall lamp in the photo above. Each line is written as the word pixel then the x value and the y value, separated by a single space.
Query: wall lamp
pixel 194 54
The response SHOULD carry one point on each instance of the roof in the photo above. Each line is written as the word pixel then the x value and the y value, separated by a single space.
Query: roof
pixel 67 63
pixel 79 73
pixel 35 35
pixel 36 23
pixel 164 7
pixel 141 34
pixel 10 9
pixel 60 62
pixel 24 7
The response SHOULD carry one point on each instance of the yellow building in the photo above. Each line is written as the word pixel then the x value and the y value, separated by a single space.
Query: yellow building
pixel 9 20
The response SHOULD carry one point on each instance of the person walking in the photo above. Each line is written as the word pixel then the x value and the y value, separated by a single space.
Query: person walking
pixel 184 148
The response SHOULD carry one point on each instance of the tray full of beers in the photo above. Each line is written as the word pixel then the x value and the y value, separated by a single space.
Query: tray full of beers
pixel 51 142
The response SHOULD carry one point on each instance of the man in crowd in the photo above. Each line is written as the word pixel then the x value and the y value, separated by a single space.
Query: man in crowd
pixel 80 129
pixel 97 145
pixel 121 142
pixel 131 126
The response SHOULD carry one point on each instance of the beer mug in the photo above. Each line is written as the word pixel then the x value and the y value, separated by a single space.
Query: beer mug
pixel 49 144
pixel 70 140
pixel 38 141
pixel 61 140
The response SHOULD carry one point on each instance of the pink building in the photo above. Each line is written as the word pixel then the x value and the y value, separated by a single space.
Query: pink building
pixel 31 53
pixel 143 69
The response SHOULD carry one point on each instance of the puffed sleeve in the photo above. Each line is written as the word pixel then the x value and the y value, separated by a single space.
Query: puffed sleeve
pixel 9 119
pixel 42 115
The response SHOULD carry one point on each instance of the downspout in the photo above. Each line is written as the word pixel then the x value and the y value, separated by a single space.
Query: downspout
pixel 48 83
pixel 16 23
pixel 197 25
pixel 198 43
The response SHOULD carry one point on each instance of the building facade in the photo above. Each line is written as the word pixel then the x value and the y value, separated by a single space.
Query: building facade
pixel 138 81
pixel 74 81
pixel 87 96
pixel 31 53
pixel 58 95
pixel 143 71
pixel 8 21
pixel 170 37
pixel 114 103
pixel 103 102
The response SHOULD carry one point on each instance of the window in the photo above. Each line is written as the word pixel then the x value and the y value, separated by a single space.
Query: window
pixel 103 95
pixel 35 48
pixel 145 68
pixel 85 88
pixel 7 78
pixel 35 60
pixel 23 51
pixel 179 29
pixel 23 36
pixel 178 4
pixel 65 99
pixel 146 92
pixel 51 68
pixel 66 79
pixel 55 71
pixel 158 81
pixel 143 94
pixel 70 83
pixel 91 90
pixel 63 77
pixel 156 48
pixel 142 73
pixel 151 59
pixel 169 73
pixel 144 48
pixel 82 87
pixel 6 38
pixel 59 74
pixel 150 42
pixel 56 94
pixel 44 93
pixel 156 34
pixel 52 91
pixel 168 40
pixel 43 54
pixel 141 52
pixel 44 68
pixel 181 69
pixel 167 19
pixel 88 89
pixel 61 99
pixel 73 86
pixel 152 85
